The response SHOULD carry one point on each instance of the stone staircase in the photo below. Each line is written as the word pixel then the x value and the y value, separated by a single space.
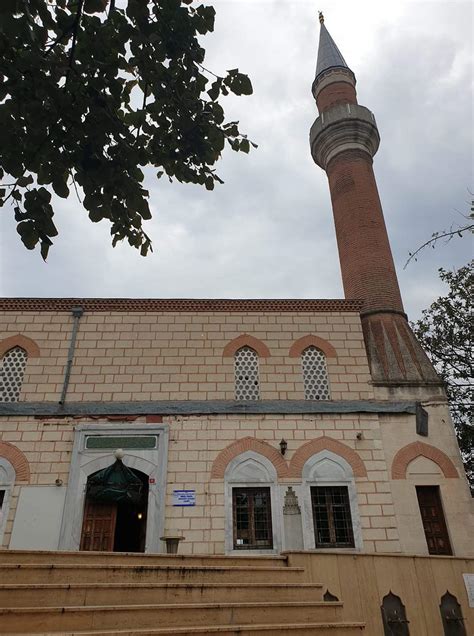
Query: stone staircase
pixel 94 593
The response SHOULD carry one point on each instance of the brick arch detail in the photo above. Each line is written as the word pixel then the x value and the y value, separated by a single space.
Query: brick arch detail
pixel 246 340
pixel 17 459
pixel 303 343
pixel 314 446
pixel 419 449
pixel 240 446
pixel 22 341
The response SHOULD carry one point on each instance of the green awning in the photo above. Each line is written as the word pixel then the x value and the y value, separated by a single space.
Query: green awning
pixel 115 483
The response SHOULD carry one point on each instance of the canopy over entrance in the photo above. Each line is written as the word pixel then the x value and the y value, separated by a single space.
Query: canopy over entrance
pixel 116 483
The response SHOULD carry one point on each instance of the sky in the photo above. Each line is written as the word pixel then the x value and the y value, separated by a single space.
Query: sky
pixel 268 231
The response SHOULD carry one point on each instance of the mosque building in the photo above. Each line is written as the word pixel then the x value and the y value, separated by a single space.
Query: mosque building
pixel 238 427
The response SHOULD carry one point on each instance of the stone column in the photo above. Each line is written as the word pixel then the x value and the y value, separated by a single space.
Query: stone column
pixel 293 526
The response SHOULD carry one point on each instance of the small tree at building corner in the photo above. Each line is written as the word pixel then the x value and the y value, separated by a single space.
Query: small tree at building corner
pixel 446 332
pixel 92 91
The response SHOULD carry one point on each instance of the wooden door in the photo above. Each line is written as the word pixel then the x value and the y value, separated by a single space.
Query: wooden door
pixel 98 526
pixel 434 522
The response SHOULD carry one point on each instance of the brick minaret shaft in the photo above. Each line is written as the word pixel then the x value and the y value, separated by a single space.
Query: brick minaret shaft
pixel 344 138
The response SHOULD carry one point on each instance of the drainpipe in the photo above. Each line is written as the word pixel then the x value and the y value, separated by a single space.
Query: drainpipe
pixel 76 314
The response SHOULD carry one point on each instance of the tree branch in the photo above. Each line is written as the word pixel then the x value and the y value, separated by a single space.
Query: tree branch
pixel 74 40
pixel 437 236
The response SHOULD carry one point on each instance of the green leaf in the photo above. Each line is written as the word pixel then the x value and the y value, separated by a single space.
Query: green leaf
pixel 239 84
pixel 60 187
pixel 205 22
pixel 245 146
pixel 10 7
pixel 214 91
pixel 45 245
pixel 87 125
pixel 44 195
pixel 95 6
pixel 142 207
pixel 28 233
pixel 96 215
pixel 22 182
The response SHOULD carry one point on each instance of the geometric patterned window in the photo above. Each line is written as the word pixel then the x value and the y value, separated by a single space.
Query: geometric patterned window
pixel 246 374
pixel 315 374
pixel 11 374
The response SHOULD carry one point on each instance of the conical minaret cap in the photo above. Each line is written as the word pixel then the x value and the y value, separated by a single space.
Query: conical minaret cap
pixel 329 56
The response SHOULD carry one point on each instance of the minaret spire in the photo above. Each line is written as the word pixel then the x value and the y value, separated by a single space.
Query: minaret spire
pixel 344 139
pixel 329 56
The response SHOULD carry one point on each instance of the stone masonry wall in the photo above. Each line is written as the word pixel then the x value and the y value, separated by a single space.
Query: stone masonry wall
pixel 195 443
pixel 179 356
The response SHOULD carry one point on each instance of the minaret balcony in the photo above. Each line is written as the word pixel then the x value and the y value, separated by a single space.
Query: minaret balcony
pixel 344 127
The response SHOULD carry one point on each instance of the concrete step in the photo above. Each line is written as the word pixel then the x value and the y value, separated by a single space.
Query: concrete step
pixel 38 620
pixel 12 573
pixel 132 558
pixel 53 595
pixel 298 629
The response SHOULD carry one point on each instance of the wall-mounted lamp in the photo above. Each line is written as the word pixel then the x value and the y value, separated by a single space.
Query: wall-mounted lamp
pixel 283 446
pixel 58 482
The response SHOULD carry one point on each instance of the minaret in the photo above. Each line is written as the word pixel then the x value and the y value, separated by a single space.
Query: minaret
pixel 344 138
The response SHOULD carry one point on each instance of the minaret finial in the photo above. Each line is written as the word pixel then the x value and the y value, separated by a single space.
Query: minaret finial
pixel 321 17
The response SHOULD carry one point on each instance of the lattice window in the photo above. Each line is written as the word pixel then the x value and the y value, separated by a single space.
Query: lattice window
pixel 315 375
pixel 11 375
pixel 246 374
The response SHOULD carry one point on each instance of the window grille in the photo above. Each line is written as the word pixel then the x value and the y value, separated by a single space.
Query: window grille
pixel 315 375
pixel 252 519
pixel 246 374
pixel 332 517
pixel 12 372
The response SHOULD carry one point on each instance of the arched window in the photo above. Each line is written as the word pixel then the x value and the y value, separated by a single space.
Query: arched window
pixel 315 375
pixel 329 503
pixel 246 374
pixel 7 481
pixel 252 508
pixel 11 374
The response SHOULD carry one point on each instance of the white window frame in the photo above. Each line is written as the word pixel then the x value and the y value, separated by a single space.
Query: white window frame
pixel 7 484
pixel 85 462
pixel 252 470
pixel 328 469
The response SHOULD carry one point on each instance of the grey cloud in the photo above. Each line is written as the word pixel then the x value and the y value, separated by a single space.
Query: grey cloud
pixel 268 232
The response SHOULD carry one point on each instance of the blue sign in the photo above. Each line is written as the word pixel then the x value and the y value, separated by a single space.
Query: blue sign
pixel 184 498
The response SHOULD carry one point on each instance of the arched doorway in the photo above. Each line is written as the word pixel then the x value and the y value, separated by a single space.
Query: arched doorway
pixel 115 510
